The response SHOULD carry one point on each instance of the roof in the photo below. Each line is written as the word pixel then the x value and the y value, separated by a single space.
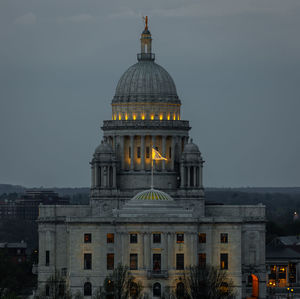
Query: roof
pixel 281 253
pixel 146 81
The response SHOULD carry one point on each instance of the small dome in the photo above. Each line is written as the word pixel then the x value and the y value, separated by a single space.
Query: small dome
pixel 104 148
pixel 146 81
pixel 152 194
pixel 191 148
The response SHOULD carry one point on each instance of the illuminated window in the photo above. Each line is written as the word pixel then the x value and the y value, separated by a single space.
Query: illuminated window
pixel 138 152
pixel 224 238
pixel 174 116
pixel 120 116
pixel 179 261
pixel 161 117
pixel 143 116
pixel 168 117
pixel 87 261
pixel 178 117
pixel 202 238
pixel 133 261
pixel 110 261
pixel 87 238
pixel 152 116
pixel 224 261
pixel 170 152
pixel 115 117
pixel 126 116
pixel 147 152
pixel 129 152
pixel 180 238
pixel 156 238
pixel 202 260
pixel 133 238
pixel 110 238
pixel 156 262
pixel 47 258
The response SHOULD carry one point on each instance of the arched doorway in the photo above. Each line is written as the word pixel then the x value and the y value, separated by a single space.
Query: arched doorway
pixel 255 286
pixel 157 289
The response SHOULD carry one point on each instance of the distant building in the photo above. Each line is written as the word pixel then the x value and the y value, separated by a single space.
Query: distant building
pixel 27 207
pixel 157 233
pixel 16 251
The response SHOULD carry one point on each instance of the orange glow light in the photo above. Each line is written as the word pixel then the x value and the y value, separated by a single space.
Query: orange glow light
pixel 143 116
pixel 152 116
pixel 120 116
pixel 126 116
pixel 174 116
pixel 134 116
pixel 161 117
pixel 168 117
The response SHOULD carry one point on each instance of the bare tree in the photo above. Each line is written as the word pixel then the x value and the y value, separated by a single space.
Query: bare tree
pixel 119 284
pixel 207 283
pixel 55 288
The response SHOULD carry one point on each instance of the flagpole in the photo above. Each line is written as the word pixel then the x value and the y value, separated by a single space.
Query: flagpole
pixel 152 175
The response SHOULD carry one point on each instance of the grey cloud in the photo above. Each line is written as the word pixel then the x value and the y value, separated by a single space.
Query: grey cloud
pixel 27 19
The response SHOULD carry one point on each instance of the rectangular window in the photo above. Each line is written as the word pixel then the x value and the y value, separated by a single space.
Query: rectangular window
pixel 179 261
pixel 224 261
pixel 156 262
pixel 180 238
pixel 110 238
pixel 133 238
pixel 87 238
pixel 156 238
pixel 202 238
pixel 110 263
pixel 47 262
pixel 224 238
pixel 87 261
pixel 147 152
pixel 202 260
pixel 138 152
pixel 129 152
pixel 133 261
pixel 170 152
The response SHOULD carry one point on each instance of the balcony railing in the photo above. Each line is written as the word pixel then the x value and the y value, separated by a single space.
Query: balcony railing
pixel 140 124
pixel 146 56
pixel 157 274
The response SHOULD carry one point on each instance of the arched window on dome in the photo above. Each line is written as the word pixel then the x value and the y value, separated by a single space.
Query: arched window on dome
pixel 157 289
pixel 87 289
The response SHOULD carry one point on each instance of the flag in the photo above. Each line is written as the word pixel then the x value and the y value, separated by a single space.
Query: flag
pixel 156 155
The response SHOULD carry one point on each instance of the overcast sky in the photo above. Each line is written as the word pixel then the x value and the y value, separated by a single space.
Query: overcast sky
pixel 236 65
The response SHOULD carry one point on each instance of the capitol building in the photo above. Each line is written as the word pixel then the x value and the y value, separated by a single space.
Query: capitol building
pixel 157 230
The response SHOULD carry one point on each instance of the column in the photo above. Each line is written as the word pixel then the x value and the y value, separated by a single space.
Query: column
pixel 195 177
pixel 200 175
pixel 132 152
pixel 122 140
pixel 170 251
pixel 118 246
pixel 164 151
pixel 182 176
pixel 173 142
pixel 125 248
pixel 115 143
pixel 143 151
pixel 114 176
pixel 147 251
pixel 166 252
pixel 188 176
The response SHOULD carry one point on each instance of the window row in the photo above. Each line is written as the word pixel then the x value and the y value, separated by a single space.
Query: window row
pixel 156 237
pixel 156 261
